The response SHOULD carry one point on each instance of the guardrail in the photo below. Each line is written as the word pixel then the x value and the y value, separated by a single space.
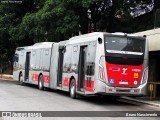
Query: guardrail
pixel 152 89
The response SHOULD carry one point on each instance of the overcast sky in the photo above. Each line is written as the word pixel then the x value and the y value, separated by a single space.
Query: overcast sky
pixel 142 9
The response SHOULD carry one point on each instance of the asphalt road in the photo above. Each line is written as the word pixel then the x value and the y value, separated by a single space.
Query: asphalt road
pixel 14 97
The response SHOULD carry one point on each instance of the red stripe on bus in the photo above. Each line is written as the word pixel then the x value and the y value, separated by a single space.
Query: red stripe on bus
pixel 76 83
pixel 46 78
pixel 89 85
pixel 66 81
pixel 35 77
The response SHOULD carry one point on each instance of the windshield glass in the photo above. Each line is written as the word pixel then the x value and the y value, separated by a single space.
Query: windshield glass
pixel 124 45
pixel 124 50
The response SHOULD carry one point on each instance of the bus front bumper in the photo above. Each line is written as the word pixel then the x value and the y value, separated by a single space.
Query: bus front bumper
pixel 103 88
pixel 137 91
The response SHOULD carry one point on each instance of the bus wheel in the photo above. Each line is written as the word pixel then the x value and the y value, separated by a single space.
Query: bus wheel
pixel 72 89
pixel 21 79
pixel 40 83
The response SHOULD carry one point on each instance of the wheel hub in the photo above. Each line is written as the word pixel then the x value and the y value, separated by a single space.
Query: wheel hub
pixel 72 89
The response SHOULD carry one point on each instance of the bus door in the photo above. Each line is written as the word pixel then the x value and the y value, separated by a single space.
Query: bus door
pixel 81 67
pixel 27 66
pixel 60 65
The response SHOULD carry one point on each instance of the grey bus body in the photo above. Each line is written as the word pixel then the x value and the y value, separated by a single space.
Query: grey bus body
pixel 80 65
pixel 32 62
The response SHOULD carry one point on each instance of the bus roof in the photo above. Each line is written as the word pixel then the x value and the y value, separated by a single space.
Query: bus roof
pixel 93 36
pixel 36 46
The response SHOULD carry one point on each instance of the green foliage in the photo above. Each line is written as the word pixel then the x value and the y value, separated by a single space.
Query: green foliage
pixel 56 20
pixel 49 21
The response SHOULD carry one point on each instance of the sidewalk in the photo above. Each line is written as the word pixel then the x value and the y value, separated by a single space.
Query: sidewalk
pixel 6 77
pixel 145 100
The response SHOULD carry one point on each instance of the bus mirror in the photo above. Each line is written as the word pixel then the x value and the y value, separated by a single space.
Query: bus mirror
pixel 100 40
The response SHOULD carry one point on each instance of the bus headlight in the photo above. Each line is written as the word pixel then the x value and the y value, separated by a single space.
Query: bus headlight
pixel 145 76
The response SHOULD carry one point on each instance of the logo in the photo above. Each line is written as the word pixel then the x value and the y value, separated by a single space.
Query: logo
pixel 135 75
pixel 115 69
pixel 124 71
pixel 111 81
pixel 21 114
pixel 135 82
pixel 6 114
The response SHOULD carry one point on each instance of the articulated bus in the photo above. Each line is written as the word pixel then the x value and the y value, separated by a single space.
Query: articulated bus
pixel 97 63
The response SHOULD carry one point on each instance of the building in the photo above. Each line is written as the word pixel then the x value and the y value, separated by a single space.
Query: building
pixel 153 37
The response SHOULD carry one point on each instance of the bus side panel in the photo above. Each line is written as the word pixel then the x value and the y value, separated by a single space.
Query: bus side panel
pixel 67 68
pixel 32 65
pixel 39 64
pixel 100 69
pixel 143 87
pixel 74 62
pixel 35 68
pixel 71 66
pixel 15 66
pixel 54 67
pixel 46 66
pixel 89 82
pixel 19 64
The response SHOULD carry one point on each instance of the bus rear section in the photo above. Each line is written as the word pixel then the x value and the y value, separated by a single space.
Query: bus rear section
pixel 32 64
pixel 123 68
pixel 18 62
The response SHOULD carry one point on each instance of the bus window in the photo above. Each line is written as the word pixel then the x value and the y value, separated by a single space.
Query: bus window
pixel 90 69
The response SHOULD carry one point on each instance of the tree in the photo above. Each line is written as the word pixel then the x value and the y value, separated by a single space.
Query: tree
pixel 11 15
pixel 56 21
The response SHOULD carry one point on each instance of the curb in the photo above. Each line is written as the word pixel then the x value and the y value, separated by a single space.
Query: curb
pixel 141 101
pixel 5 76
pixel 6 79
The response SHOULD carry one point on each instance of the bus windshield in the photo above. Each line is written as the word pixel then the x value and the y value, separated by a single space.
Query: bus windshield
pixel 124 50
pixel 124 45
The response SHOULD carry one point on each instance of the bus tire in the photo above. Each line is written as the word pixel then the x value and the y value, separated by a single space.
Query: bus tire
pixel 72 89
pixel 40 82
pixel 21 79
